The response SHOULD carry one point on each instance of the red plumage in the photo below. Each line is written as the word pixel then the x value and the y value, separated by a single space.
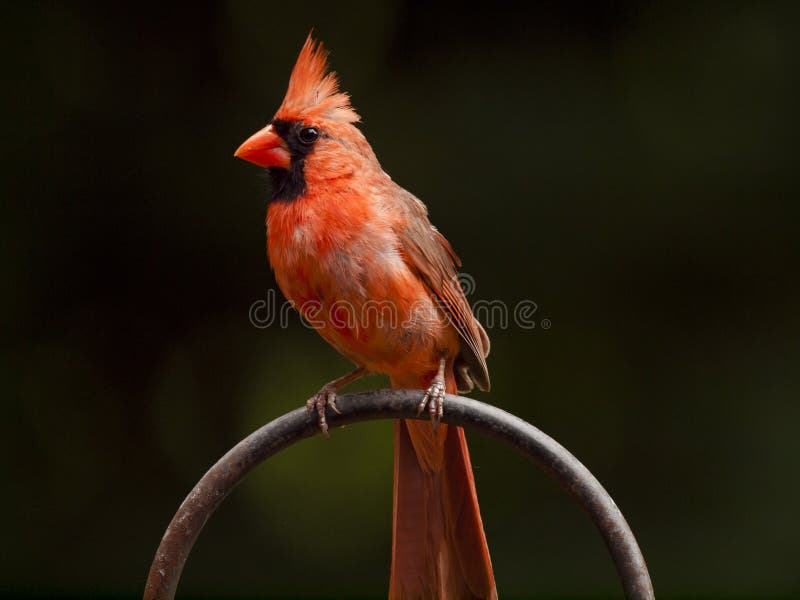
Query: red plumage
pixel 343 238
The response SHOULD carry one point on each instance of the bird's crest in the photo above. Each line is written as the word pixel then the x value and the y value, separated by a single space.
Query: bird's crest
pixel 313 91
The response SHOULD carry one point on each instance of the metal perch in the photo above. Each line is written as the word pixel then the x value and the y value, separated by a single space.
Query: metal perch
pixel 273 437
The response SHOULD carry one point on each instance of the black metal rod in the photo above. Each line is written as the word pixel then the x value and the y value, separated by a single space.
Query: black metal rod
pixel 273 437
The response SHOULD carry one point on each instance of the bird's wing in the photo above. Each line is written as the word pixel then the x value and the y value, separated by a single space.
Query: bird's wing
pixel 430 255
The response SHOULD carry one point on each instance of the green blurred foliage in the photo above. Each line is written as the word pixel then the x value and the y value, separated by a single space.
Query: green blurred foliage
pixel 629 167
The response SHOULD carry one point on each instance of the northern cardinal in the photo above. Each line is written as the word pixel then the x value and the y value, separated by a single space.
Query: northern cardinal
pixel 342 238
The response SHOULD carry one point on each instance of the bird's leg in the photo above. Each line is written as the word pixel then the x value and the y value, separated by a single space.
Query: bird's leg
pixel 326 396
pixel 434 397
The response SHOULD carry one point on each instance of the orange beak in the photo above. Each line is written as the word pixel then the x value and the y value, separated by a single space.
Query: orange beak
pixel 265 148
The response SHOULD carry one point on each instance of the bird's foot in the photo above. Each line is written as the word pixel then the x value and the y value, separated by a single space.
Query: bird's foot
pixel 325 397
pixel 434 400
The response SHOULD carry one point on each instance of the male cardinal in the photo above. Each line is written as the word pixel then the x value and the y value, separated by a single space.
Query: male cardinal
pixel 342 236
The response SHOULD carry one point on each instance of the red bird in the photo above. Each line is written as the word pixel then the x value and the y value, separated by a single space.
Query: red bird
pixel 346 243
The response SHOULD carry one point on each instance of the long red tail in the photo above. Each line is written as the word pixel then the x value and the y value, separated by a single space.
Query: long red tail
pixel 439 549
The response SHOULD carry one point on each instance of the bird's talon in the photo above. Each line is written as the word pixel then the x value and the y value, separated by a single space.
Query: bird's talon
pixel 423 402
pixel 332 402
pixel 325 397
pixel 434 400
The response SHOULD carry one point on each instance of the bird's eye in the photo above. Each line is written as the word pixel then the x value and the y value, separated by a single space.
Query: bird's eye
pixel 309 135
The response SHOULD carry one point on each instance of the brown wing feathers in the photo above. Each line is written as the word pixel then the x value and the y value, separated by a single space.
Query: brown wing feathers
pixel 431 256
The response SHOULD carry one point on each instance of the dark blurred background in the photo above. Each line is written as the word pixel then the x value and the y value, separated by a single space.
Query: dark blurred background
pixel 629 167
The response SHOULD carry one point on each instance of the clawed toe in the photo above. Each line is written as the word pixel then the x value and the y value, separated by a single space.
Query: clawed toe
pixel 332 403
pixel 325 397
pixel 434 400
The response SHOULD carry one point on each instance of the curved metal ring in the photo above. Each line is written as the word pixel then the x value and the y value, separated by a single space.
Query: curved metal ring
pixel 273 437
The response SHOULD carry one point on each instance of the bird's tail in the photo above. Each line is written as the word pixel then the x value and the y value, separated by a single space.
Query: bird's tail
pixel 439 549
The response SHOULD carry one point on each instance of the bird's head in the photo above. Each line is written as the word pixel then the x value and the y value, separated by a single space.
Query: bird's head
pixel 312 136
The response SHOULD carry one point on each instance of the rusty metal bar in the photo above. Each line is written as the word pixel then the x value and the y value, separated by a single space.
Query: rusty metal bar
pixel 273 437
